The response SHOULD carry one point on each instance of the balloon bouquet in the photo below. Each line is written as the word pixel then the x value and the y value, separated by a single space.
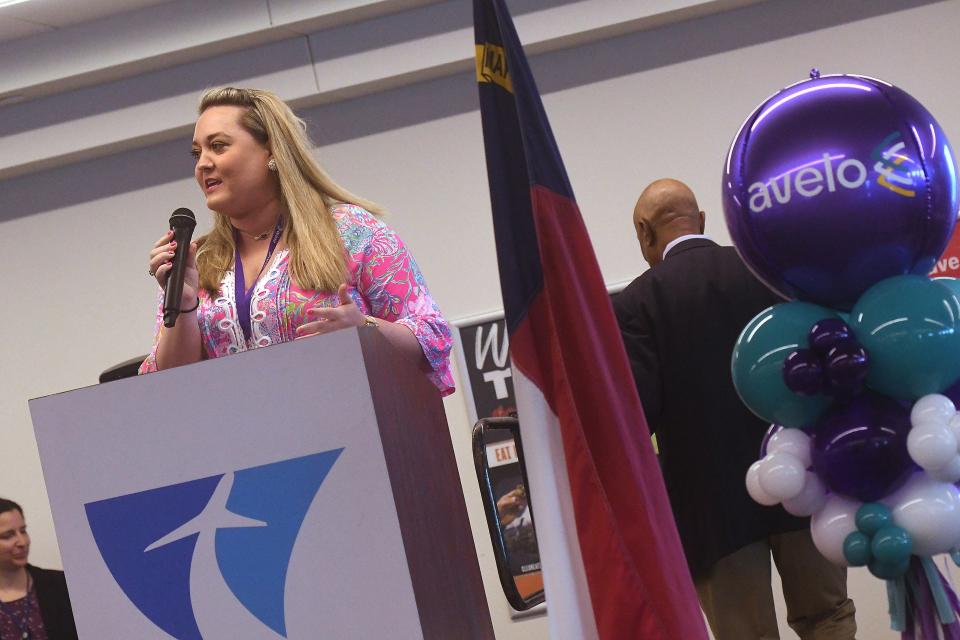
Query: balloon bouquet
pixel 840 192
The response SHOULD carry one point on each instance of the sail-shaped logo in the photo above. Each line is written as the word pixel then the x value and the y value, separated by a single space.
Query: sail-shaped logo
pixel 240 525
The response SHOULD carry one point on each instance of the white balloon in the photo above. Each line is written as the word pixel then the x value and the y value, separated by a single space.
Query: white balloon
pixel 932 408
pixel 950 473
pixel 832 524
pixel 810 500
pixel 781 476
pixel 753 486
pixel 932 445
pixel 792 441
pixel 930 512
pixel 955 426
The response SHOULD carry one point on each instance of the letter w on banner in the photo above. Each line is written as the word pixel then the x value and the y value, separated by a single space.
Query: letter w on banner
pixel 612 561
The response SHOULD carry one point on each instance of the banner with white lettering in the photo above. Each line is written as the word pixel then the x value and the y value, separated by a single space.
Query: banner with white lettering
pixel 485 362
pixel 949 263
pixel 486 353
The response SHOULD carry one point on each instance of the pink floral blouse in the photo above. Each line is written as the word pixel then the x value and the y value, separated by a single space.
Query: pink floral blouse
pixel 383 280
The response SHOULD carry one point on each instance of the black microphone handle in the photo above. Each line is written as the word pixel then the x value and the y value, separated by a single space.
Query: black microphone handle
pixel 174 288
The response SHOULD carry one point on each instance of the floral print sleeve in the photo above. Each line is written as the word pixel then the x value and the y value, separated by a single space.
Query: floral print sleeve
pixel 150 364
pixel 389 280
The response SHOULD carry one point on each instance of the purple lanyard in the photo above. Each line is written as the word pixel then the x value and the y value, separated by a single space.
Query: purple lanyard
pixel 242 294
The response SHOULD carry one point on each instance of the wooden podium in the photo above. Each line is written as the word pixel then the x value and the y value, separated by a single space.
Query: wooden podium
pixel 174 520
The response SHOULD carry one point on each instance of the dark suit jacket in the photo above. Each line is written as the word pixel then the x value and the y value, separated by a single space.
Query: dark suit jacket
pixel 680 321
pixel 54 603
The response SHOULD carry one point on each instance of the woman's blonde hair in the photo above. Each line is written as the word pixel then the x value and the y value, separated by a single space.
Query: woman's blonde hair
pixel 317 259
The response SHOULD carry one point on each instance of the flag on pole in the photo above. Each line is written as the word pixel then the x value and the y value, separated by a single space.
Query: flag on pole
pixel 612 561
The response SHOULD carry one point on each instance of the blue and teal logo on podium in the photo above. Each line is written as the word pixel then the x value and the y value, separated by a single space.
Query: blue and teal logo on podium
pixel 241 524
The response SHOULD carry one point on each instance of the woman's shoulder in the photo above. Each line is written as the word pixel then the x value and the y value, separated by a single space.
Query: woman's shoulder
pixel 361 231
pixel 347 214
pixel 363 234
pixel 46 576
pixel 34 569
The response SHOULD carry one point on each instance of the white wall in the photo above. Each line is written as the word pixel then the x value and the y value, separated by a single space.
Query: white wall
pixel 625 109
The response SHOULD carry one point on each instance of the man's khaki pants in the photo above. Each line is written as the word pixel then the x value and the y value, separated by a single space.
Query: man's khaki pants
pixel 737 598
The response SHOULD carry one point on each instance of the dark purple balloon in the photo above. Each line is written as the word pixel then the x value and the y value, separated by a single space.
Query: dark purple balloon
pixel 846 367
pixel 836 183
pixel 860 447
pixel 827 333
pixel 803 372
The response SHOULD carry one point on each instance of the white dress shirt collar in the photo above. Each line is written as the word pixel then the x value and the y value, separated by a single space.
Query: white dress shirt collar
pixel 676 241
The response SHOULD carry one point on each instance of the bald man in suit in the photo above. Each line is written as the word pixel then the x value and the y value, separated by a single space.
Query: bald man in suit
pixel 680 320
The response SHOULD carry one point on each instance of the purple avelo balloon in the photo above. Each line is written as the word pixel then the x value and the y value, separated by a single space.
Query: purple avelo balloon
pixel 860 447
pixel 836 183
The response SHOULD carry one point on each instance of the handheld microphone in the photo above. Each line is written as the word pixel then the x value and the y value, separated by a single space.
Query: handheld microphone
pixel 182 222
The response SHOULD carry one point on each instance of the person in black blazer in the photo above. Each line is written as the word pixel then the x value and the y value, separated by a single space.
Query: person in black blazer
pixel 679 321
pixel 34 602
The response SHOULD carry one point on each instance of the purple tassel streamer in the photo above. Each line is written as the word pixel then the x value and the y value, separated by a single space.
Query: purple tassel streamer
pixel 951 631
pixel 924 610
pixel 922 619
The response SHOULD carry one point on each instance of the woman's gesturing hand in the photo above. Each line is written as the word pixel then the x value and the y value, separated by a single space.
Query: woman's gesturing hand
pixel 161 262
pixel 328 319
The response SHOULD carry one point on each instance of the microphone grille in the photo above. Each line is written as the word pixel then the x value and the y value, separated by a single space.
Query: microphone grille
pixel 183 217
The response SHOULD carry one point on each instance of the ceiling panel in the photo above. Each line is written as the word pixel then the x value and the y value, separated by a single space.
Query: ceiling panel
pixel 62 13
pixel 12 29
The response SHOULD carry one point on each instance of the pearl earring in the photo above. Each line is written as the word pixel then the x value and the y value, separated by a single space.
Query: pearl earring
pixel 272 165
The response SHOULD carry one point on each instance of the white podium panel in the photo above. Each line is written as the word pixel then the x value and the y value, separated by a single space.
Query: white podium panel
pixel 240 498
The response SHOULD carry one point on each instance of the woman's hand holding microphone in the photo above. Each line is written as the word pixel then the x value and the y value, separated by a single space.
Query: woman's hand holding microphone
pixel 161 262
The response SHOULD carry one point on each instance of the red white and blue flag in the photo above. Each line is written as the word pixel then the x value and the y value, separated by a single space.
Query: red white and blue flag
pixel 612 561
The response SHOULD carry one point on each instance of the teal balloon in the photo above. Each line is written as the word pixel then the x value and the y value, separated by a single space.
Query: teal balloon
pixel 951 283
pixel 856 549
pixel 891 545
pixel 910 327
pixel 873 516
pixel 888 571
pixel 758 363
